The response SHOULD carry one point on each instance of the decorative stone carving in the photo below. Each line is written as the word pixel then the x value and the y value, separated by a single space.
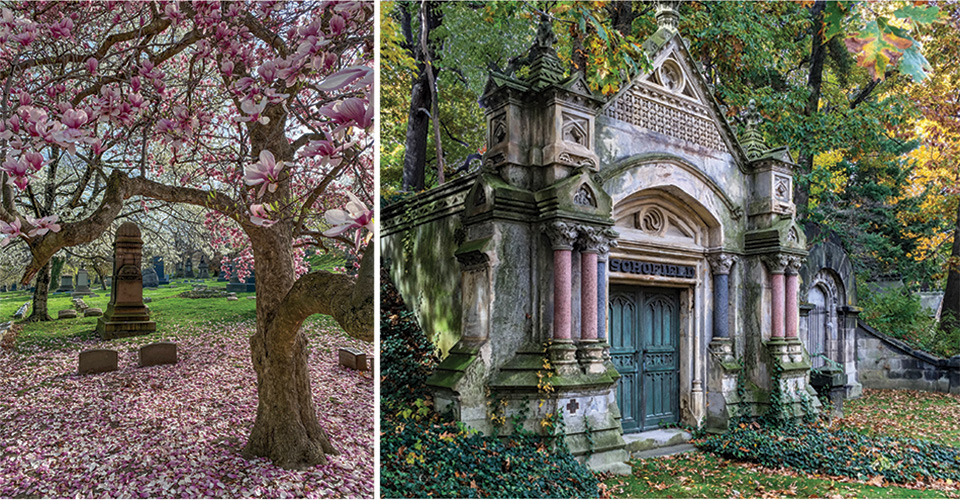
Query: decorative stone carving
pixel 609 241
pixel 793 236
pixel 473 261
pixel 575 130
pixel 562 235
pixel 576 160
pixel 499 130
pixel 126 315
pixel 591 238
pixel 776 263
pixel 781 188
pixel 720 263
pixel 794 263
pixel 671 77
pixel 647 106
pixel 752 140
pixel 650 220
pixel 584 196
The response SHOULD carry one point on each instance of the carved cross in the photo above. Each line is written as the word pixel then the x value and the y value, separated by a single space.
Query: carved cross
pixel 573 406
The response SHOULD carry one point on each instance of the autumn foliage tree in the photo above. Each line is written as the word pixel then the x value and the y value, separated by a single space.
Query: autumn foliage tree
pixel 258 112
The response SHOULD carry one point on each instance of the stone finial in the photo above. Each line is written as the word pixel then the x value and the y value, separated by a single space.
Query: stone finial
pixel 776 263
pixel 545 36
pixel 720 263
pixel 543 66
pixel 752 142
pixel 562 235
pixel 794 263
pixel 667 15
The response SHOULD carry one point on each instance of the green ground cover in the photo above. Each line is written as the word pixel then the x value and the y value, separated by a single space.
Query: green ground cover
pixel 900 414
pixel 168 310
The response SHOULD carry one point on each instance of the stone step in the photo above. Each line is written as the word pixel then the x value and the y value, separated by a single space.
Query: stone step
pixel 658 439
pixel 664 452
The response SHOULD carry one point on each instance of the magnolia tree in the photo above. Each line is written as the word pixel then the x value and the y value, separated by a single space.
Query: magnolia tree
pixel 259 112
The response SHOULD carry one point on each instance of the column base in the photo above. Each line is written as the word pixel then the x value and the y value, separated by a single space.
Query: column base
pixel 563 357
pixel 590 356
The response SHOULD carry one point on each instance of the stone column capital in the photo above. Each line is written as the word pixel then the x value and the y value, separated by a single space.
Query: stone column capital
pixel 720 263
pixel 609 241
pixel 794 263
pixel 776 263
pixel 589 238
pixel 562 235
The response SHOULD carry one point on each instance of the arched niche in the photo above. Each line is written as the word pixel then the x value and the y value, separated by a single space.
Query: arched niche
pixel 667 216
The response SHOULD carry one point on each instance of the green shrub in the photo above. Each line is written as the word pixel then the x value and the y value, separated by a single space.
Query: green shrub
pixel 899 314
pixel 815 448
pixel 427 455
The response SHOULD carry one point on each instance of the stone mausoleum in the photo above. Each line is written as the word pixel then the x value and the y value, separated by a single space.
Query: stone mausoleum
pixel 623 262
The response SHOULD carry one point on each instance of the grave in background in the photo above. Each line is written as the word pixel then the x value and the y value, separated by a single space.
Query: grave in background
pixel 126 316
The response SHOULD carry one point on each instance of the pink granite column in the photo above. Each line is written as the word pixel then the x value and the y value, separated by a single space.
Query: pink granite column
pixel 588 295
pixel 792 299
pixel 776 307
pixel 776 264
pixel 562 287
pixel 562 236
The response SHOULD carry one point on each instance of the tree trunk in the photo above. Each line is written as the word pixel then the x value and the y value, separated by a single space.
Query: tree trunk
pixel 286 430
pixel 950 315
pixel 40 294
pixel 418 119
pixel 818 54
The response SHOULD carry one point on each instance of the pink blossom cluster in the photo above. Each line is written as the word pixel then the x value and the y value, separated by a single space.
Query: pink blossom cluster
pixel 173 431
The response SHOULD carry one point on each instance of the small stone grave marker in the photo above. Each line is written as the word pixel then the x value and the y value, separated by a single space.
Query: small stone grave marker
pixel 67 314
pixel 353 359
pixel 98 361
pixel 93 311
pixel 22 311
pixel 159 353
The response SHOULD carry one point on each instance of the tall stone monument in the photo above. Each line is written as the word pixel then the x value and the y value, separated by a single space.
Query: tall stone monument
pixel 161 274
pixel 203 269
pixel 66 283
pixel 126 316
pixel 188 268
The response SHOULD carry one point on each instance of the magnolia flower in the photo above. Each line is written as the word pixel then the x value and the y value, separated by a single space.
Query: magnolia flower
pixel 268 70
pixel 356 216
pixel 349 111
pixel 92 65
pixel 11 231
pixel 43 225
pixel 19 173
pixel 258 216
pixel 265 172
pixel 34 160
pixel 254 110
pixel 345 77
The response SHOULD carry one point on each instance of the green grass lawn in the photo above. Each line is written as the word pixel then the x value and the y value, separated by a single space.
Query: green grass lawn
pixel 695 474
pixel 167 310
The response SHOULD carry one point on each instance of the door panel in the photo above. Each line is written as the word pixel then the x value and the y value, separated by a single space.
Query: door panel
pixel 644 338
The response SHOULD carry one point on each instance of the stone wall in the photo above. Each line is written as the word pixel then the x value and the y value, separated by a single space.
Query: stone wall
pixel 887 363
pixel 418 238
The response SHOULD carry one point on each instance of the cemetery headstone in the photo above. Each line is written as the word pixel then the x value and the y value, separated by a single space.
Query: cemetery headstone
pixel 188 268
pixel 161 274
pixel 222 275
pixel 126 316
pixel 66 283
pixel 80 304
pixel 180 270
pixel 108 282
pixel 353 359
pixel 147 300
pixel 3 288
pixel 83 284
pixel 98 361
pixel 235 285
pixel 251 282
pixel 159 353
pixel 13 287
pixel 150 279
pixel 67 314
pixel 22 311
pixel 203 269
pixel 93 312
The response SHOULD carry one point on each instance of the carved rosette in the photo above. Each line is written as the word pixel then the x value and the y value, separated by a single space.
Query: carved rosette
pixel 562 235
pixel 590 240
pixel 776 263
pixel 720 263
pixel 794 263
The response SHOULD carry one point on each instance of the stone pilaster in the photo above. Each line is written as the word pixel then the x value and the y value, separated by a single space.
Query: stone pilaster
pixel 777 265
pixel 792 298
pixel 589 349
pixel 720 265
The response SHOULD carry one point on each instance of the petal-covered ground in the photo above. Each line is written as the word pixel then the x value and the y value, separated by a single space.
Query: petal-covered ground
pixel 175 430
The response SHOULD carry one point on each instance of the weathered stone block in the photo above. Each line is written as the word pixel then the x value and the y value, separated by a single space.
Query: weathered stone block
pixel 352 358
pixel 93 311
pixel 97 361
pixel 67 314
pixel 231 298
pixel 159 353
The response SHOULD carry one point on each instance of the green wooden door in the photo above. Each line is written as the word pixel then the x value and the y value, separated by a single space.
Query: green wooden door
pixel 644 347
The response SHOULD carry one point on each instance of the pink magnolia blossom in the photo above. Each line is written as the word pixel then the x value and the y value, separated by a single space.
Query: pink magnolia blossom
pixel 356 216
pixel 351 111
pixel 62 28
pixel 258 216
pixel 254 110
pixel 92 65
pixel 11 231
pixel 268 71
pixel 19 173
pixel 35 160
pixel 265 172
pixel 43 225
pixel 347 76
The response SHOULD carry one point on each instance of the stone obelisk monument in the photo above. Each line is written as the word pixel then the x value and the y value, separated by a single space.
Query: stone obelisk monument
pixel 126 316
